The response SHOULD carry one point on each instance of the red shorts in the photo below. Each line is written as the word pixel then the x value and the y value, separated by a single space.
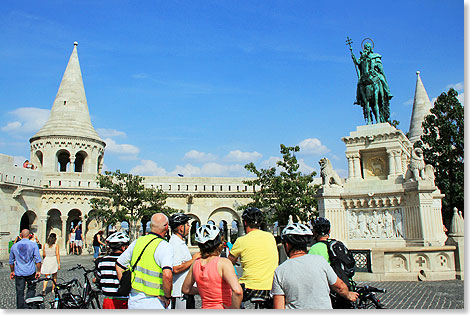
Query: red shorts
pixel 109 303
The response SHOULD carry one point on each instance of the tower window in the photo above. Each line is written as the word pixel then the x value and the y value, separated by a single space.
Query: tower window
pixel 65 102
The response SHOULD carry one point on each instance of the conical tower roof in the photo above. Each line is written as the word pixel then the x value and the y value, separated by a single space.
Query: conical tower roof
pixel 421 108
pixel 69 114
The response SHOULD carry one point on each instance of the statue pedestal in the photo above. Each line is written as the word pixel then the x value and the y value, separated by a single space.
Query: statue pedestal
pixel 378 209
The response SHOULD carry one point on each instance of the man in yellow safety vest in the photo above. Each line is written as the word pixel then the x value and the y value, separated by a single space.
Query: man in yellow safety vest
pixel 152 277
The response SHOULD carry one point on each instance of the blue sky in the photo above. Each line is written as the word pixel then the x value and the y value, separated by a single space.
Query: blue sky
pixel 204 87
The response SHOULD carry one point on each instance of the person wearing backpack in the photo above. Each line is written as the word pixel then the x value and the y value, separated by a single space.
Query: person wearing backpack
pixel 296 285
pixel 336 254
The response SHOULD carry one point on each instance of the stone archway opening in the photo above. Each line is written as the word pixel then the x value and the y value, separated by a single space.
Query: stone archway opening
pixel 37 159
pixel 80 158
pixel 224 229
pixel 99 166
pixel 63 160
pixel 54 225
pixel 29 221
pixel 74 218
pixel 236 231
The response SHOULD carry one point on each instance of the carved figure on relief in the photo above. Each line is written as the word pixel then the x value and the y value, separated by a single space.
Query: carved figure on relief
pixel 354 231
pixel 388 224
pixel 361 219
pixel 398 225
pixel 328 174
pixel 417 169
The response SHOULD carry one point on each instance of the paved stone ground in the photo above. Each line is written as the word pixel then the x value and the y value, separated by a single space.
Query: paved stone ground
pixel 399 295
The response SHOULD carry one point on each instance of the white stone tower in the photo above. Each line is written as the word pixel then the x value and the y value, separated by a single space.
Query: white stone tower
pixel 68 142
pixel 421 108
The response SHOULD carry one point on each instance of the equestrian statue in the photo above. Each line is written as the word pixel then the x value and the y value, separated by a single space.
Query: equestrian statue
pixel 373 93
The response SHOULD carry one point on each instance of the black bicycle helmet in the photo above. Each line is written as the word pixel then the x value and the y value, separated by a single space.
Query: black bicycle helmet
pixel 322 226
pixel 297 234
pixel 178 219
pixel 253 216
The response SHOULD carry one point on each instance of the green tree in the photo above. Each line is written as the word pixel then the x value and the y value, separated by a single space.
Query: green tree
pixel 127 200
pixel 443 147
pixel 288 193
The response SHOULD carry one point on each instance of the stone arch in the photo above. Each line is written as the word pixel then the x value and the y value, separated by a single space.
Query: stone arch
pixel 399 263
pixel 99 165
pixel 228 215
pixel 29 220
pixel 62 160
pixel 223 226
pixel 81 158
pixel 422 262
pixel 74 217
pixel 443 261
pixel 54 225
pixel 236 230
pixel 37 159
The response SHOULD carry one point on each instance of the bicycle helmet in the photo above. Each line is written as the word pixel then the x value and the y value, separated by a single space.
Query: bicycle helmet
pixel 297 234
pixel 207 233
pixel 178 219
pixel 117 239
pixel 253 216
pixel 322 226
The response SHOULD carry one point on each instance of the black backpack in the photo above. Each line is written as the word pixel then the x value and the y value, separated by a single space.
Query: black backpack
pixel 341 260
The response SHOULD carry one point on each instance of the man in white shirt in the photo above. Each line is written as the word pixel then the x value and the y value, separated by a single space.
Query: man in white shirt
pixel 182 259
pixel 163 258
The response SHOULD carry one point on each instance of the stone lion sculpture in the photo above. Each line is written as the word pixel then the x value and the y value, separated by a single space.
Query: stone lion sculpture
pixel 328 174
pixel 417 169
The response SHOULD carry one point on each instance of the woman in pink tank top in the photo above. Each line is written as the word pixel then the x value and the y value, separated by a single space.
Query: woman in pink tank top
pixel 216 281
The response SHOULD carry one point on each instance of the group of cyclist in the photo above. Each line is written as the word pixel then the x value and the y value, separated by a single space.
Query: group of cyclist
pixel 166 275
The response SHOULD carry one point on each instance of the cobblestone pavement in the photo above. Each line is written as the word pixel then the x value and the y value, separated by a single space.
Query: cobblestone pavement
pixel 399 295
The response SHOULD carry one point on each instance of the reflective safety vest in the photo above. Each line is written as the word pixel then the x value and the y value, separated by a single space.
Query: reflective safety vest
pixel 147 276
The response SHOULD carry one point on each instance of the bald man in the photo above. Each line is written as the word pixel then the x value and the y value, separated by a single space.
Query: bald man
pixel 25 265
pixel 153 274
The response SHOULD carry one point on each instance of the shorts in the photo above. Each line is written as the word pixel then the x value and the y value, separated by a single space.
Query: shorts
pixel 79 243
pixel 114 303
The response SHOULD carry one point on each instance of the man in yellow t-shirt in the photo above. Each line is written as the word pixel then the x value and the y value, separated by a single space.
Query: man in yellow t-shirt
pixel 258 255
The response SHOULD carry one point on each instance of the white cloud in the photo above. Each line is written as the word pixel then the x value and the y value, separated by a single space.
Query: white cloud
pixel 461 98
pixel 312 146
pixel 186 170
pixel 12 126
pixel 239 156
pixel 113 147
pixel 409 102
pixel 148 168
pixel 200 157
pixel 106 133
pixel 457 86
pixel 27 120
pixel 216 169
pixel 271 162
pixel 304 167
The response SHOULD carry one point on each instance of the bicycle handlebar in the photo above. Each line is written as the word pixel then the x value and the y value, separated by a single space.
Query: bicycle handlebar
pixel 368 289
pixel 81 267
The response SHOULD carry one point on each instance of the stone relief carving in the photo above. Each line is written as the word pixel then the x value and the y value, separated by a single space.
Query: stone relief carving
pixel 417 169
pixel 376 166
pixel 328 174
pixel 379 224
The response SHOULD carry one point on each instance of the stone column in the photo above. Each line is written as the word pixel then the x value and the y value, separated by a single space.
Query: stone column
pixel 350 166
pixel 43 229
pixel 64 230
pixel 357 165
pixel 398 162
pixel 72 164
pixel 391 162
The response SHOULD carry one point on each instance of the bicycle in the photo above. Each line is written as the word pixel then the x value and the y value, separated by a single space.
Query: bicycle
pixel 367 298
pixel 258 302
pixel 67 300
pixel 90 295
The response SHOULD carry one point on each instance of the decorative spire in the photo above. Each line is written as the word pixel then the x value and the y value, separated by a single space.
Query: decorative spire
pixel 421 108
pixel 69 114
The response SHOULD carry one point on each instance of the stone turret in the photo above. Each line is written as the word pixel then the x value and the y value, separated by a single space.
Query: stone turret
pixel 421 108
pixel 68 142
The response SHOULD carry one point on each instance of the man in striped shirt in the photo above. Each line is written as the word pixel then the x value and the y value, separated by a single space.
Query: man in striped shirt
pixel 106 272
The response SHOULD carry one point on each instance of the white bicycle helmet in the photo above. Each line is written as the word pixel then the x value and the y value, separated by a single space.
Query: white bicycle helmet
pixel 205 233
pixel 297 233
pixel 118 238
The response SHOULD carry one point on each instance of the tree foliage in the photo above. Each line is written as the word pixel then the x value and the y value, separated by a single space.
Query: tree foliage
pixel 443 147
pixel 127 200
pixel 288 193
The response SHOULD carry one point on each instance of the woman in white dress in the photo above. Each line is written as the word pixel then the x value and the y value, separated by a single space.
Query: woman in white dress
pixel 51 260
